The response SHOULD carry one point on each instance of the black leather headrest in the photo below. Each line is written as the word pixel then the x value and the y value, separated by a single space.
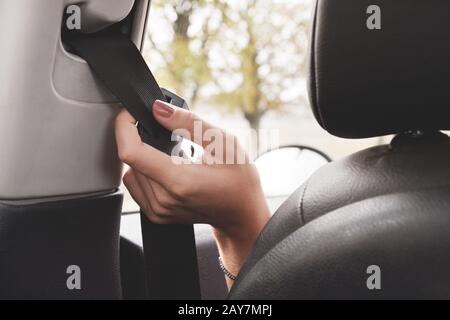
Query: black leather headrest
pixel 367 82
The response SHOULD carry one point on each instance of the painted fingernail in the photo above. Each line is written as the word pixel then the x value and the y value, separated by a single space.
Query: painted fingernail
pixel 163 109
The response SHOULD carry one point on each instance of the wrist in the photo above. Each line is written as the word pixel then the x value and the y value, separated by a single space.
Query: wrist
pixel 236 242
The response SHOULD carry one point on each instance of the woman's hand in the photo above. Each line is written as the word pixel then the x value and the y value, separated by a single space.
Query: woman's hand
pixel 223 189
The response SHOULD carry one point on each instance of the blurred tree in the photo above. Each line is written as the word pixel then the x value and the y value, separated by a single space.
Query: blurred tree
pixel 185 58
pixel 272 55
pixel 249 53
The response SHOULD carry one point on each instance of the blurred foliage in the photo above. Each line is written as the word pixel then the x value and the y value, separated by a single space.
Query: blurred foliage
pixel 242 55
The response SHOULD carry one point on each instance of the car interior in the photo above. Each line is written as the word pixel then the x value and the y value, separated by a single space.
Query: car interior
pixel 387 206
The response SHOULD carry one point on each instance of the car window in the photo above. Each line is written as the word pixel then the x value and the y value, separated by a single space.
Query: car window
pixel 241 65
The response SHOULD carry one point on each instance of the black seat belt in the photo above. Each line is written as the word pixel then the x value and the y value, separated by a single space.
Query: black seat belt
pixel 170 251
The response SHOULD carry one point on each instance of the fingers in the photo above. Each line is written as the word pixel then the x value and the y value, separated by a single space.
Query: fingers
pixel 140 156
pixel 179 120
pixel 219 146
pixel 164 206
pixel 157 207
pixel 138 193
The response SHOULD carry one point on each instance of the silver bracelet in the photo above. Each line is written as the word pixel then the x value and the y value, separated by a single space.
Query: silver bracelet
pixel 227 273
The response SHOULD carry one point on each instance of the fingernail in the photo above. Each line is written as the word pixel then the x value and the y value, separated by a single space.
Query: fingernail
pixel 163 109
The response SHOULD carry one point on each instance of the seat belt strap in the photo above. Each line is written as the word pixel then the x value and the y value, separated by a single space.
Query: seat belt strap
pixel 170 251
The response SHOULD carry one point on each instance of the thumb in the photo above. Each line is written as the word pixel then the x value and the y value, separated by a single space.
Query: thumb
pixel 174 118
